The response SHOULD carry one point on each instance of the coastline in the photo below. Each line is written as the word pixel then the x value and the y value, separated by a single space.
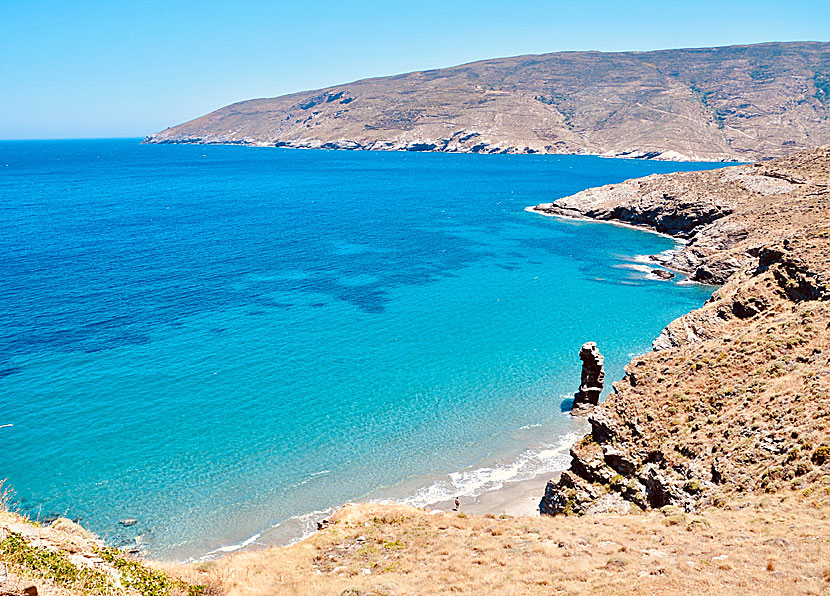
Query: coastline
pixel 613 222
pixel 672 155
pixel 517 499
pixel 504 486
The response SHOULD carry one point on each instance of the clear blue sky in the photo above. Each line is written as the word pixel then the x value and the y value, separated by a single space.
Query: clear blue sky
pixel 116 68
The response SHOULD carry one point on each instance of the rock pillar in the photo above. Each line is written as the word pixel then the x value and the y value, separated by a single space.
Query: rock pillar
pixel 593 376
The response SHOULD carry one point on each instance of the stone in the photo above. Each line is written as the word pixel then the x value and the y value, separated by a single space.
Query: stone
pixel 619 460
pixel 662 273
pixel 593 376
pixel 603 429
pixel 660 491
pixel 554 501
pixel 128 522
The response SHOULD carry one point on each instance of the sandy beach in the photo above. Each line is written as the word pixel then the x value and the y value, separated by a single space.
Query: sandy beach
pixel 520 498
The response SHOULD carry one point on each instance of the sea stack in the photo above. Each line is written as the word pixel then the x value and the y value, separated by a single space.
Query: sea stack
pixel 593 376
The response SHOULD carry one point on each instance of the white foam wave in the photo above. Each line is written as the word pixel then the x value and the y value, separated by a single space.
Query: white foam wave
pixel 472 483
pixel 529 426
pixel 233 547
pixel 643 259
pixel 310 477
pixel 468 483
pixel 635 267
pixel 307 523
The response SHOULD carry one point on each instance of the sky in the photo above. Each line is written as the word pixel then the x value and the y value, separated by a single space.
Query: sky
pixel 128 69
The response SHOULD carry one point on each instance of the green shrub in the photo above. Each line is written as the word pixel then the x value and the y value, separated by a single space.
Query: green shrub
pixel 821 455
pixel 51 565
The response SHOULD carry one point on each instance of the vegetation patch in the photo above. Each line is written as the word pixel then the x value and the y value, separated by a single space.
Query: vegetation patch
pixel 52 565
pixel 821 455
pixel 55 566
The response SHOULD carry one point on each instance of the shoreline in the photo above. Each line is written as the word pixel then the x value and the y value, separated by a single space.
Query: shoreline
pixel 516 499
pixel 613 222
pixel 516 496
pixel 507 151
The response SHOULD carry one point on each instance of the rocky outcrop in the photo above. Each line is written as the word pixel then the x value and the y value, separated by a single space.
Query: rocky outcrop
pixel 593 376
pixel 736 396
pixel 700 104
pixel 714 211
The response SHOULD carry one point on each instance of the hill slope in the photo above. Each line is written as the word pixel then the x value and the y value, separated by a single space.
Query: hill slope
pixel 736 397
pixel 727 103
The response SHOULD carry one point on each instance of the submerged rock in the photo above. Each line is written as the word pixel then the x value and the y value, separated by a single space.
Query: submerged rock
pixel 662 273
pixel 593 376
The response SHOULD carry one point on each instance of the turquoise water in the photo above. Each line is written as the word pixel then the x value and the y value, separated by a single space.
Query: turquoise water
pixel 215 340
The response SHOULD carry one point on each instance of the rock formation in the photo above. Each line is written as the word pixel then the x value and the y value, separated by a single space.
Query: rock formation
pixel 735 398
pixel 714 211
pixel 729 103
pixel 593 376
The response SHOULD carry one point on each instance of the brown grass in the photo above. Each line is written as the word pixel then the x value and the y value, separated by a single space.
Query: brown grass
pixel 760 546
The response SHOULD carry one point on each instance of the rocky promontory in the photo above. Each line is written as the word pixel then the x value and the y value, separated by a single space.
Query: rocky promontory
pixel 735 397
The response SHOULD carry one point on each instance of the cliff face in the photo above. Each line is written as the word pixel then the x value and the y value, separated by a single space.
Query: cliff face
pixel 736 395
pixel 728 103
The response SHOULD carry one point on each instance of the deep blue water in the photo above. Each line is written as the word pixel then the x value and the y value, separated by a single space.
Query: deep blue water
pixel 214 339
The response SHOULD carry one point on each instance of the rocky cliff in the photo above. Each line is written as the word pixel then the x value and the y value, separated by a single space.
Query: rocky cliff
pixel 736 396
pixel 729 103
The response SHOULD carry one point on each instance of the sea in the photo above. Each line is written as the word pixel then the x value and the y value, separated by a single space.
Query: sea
pixel 224 343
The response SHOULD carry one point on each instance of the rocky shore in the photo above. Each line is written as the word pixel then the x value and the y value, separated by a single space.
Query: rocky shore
pixel 461 141
pixel 735 397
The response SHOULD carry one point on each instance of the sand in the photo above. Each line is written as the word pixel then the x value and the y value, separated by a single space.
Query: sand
pixel 519 498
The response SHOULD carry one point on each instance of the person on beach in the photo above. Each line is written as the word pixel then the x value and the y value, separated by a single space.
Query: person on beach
pixel 457 504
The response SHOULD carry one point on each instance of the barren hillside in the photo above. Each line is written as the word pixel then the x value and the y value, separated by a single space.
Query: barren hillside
pixel 727 103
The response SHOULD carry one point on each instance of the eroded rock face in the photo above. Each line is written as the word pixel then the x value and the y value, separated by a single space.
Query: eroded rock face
pixel 593 376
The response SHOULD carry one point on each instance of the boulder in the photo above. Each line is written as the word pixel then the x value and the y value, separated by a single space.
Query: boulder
pixel 554 501
pixel 619 460
pixel 603 429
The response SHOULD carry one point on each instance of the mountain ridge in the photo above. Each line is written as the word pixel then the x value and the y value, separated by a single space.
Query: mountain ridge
pixel 732 103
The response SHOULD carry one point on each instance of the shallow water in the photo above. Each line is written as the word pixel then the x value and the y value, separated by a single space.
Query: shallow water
pixel 215 340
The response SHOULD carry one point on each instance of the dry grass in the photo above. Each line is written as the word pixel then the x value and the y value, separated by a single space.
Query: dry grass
pixel 760 546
